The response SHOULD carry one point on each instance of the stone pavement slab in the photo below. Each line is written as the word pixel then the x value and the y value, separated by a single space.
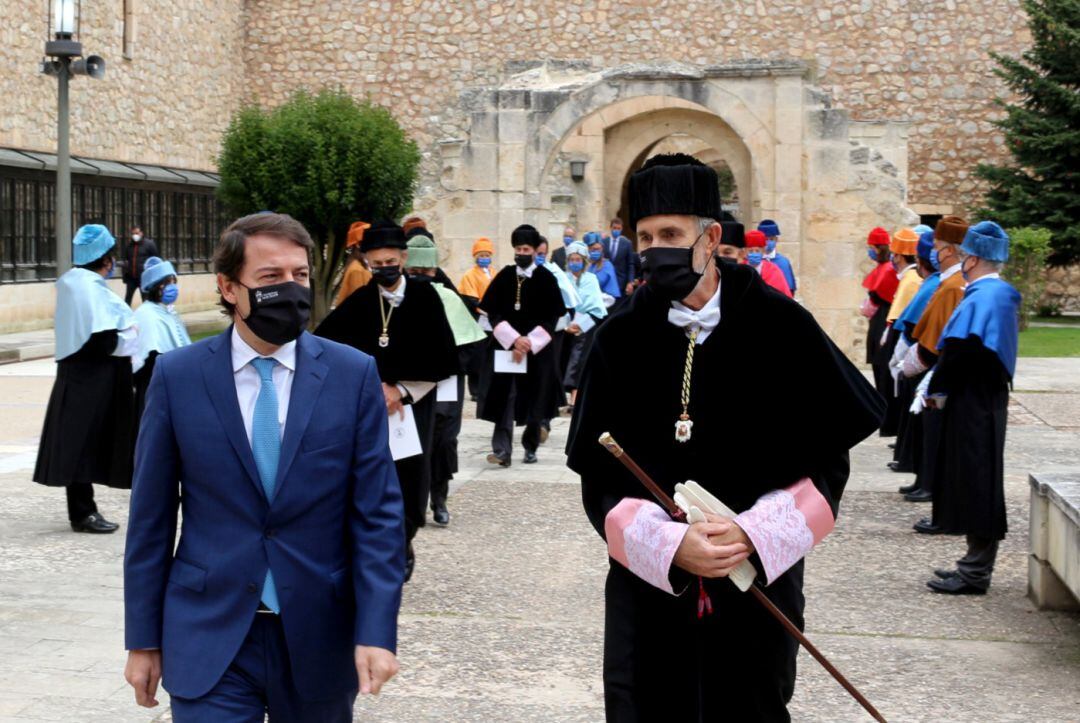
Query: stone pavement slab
pixel 503 620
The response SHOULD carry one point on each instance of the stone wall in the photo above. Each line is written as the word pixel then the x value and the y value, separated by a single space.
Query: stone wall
pixel 168 104
pixel 31 306
pixel 923 61
pixel 1063 288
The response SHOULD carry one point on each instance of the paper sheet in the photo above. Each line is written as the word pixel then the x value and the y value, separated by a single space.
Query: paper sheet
pixel 505 364
pixel 446 391
pixel 404 439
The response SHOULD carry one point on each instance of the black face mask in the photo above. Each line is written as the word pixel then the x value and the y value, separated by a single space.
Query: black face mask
pixel 670 271
pixel 524 261
pixel 279 312
pixel 386 276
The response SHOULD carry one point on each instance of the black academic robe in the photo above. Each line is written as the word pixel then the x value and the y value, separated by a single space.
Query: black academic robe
pixel 891 423
pixel 660 661
pixel 90 425
pixel 909 431
pixel 142 383
pixel 537 391
pixel 969 493
pixel 421 349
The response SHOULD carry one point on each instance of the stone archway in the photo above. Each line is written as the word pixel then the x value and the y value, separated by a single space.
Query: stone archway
pixel 791 155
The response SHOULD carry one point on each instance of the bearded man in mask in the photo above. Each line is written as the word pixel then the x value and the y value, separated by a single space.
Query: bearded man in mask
pixel 400 321
pixel 283 593
pixel 693 324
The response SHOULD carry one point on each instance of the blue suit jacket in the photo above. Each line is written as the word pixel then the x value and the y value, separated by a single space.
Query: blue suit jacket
pixel 625 260
pixel 333 533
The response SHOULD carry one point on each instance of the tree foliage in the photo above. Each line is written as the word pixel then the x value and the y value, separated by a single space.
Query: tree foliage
pixel 327 160
pixel 1042 131
pixel 1029 249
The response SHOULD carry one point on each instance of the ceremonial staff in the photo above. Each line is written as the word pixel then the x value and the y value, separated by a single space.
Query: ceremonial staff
pixel 609 443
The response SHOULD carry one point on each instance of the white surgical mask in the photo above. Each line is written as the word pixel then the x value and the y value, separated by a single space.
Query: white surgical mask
pixel 136 237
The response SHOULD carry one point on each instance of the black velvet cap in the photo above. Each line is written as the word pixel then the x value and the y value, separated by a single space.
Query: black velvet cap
pixel 525 235
pixel 418 231
pixel 676 184
pixel 383 235
pixel 734 232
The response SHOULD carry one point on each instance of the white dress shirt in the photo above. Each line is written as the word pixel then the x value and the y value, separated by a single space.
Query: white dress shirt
pixel 248 382
pixel 702 321
pixel 396 296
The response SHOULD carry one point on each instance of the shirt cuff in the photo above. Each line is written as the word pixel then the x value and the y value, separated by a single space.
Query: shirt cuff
pixel 584 322
pixel 784 526
pixel 644 539
pixel 505 334
pixel 539 339
pixel 416 390
pixel 127 343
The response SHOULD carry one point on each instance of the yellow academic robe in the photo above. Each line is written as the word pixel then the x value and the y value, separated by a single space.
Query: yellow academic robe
pixel 910 282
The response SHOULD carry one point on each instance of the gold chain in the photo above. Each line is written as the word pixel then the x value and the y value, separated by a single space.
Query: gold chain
pixel 384 338
pixel 687 374
pixel 517 296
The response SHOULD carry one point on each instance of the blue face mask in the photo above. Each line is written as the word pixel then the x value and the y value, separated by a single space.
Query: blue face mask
pixel 754 258
pixel 170 294
pixel 872 254
pixel 483 262
pixel 770 245
pixel 934 260
pixel 568 240
pixel 576 267
pixel 540 259
pixel 616 233
pixel 595 255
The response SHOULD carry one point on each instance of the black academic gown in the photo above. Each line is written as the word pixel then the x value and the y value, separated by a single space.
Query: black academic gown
pixel 909 432
pixel 660 661
pixel 90 425
pixel 969 496
pixel 421 349
pixel 875 357
pixel 891 424
pixel 537 391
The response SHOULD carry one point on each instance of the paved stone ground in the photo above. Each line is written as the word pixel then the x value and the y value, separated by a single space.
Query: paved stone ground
pixel 503 620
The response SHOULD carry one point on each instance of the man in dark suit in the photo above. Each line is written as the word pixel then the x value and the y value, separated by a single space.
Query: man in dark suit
pixel 558 256
pixel 135 255
pixel 621 253
pixel 283 593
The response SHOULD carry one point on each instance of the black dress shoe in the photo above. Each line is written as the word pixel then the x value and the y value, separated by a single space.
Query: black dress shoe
pixel 894 466
pixel 906 489
pixel 919 495
pixel 410 562
pixel 926 527
pixel 440 515
pixel 530 458
pixel 95 524
pixel 892 445
pixel 954 586
pixel 496 459
pixel 946 574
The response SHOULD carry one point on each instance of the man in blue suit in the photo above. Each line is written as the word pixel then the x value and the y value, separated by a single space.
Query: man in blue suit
pixel 282 596
pixel 624 259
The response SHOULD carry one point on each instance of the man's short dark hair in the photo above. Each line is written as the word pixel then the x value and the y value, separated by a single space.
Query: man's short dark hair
pixel 616 220
pixel 229 254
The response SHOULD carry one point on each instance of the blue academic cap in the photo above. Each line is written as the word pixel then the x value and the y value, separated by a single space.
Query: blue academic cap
pixel 155 270
pixel 988 241
pixel 769 228
pixel 921 229
pixel 926 243
pixel 91 242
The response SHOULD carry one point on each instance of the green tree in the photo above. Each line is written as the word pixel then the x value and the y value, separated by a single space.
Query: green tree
pixel 325 159
pixel 1026 270
pixel 1042 131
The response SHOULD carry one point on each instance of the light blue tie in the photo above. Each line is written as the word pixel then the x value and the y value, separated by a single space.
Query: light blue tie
pixel 266 446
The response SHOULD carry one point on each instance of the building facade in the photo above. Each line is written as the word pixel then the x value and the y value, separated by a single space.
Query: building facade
pixel 832 116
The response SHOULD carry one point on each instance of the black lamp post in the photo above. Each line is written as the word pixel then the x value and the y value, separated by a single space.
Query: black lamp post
pixel 64 59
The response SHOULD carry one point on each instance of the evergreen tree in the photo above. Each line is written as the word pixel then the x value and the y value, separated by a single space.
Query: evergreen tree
pixel 1042 131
